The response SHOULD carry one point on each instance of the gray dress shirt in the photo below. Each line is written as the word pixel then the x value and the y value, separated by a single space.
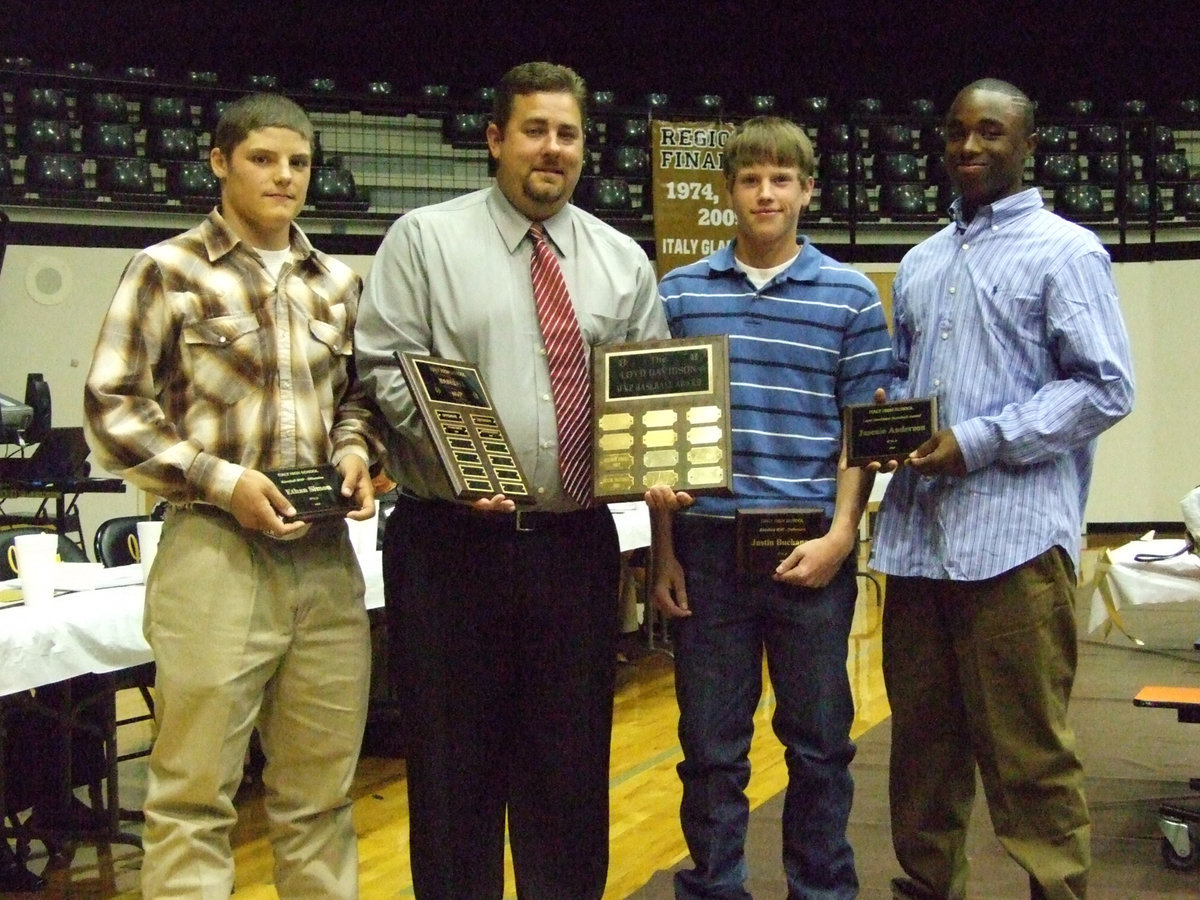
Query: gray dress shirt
pixel 452 280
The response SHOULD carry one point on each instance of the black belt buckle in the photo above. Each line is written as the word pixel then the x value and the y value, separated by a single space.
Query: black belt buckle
pixel 525 520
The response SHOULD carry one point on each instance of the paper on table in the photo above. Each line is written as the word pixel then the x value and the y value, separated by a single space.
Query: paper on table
pixel 87 576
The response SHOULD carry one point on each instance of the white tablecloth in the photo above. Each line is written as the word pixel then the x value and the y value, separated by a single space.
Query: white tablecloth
pixel 96 631
pixel 1128 582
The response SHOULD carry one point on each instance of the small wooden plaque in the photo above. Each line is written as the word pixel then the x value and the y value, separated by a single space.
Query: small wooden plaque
pixel 662 417
pixel 765 537
pixel 471 441
pixel 315 492
pixel 878 432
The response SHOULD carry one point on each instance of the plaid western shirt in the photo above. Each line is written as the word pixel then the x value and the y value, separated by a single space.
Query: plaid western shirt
pixel 206 366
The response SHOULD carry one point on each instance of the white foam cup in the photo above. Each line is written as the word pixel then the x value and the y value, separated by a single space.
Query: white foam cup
pixel 36 556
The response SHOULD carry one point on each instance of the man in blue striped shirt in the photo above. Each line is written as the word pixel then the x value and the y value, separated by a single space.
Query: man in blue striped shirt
pixel 806 337
pixel 1009 317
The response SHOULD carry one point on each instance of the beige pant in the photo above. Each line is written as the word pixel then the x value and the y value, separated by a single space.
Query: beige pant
pixel 980 674
pixel 247 630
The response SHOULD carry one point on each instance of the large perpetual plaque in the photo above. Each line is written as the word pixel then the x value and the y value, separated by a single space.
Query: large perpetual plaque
pixel 471 442
pixel 662 417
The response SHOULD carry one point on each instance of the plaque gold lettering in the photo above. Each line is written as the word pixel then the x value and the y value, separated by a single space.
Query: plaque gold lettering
pixel 616 484
pixel 315 492
pixel 878 432
pixel 766 537
pixel 614 462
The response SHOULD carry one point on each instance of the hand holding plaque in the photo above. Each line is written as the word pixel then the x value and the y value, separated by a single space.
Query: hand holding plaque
pixel 471 443
pixel 878 432
pixel 766 537
pixel 314 491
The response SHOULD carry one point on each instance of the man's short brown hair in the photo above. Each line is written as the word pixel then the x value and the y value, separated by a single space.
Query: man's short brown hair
pixel 536 78
pixel 254 111
pixel 768 139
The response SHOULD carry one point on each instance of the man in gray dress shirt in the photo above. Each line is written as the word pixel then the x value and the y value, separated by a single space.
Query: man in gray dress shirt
pixel 504 624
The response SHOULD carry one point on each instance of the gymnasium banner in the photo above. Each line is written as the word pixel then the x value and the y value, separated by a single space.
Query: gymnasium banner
pixel 692 217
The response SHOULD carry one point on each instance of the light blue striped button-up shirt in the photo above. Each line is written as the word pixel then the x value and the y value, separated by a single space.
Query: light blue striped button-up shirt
pixel 1011 321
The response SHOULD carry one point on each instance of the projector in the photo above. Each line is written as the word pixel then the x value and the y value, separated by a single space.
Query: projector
pixel 14 414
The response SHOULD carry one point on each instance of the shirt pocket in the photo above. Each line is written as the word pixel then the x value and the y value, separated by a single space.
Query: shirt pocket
pixel 329 349
pixel 227 355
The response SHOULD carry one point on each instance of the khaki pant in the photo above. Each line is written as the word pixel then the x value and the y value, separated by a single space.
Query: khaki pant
pixel 980 674
pixel 248 630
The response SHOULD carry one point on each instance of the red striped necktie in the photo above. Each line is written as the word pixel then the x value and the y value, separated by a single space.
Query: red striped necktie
pixel 568 361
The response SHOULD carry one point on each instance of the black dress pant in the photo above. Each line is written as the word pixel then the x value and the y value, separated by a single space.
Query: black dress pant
pixel 506 640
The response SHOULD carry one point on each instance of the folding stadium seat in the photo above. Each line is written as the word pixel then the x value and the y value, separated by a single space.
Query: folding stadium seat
pixel 1144 141
pixel 119 177
pixel 836 136
pixel 166 112
pixel 332 187
pixel 434 100
pixel 41 103
pixel 54 173
pixel 484 98
pixel 836 202
pixel 109 139
pixel 602 103
pixel 164 144
pixel 628 162
pixel 1080 202
pixel 1133 109
pixel 1187 111
pixel 1099 139
pixel 1053 139
pixel 606 197
pixel 896 167
pixel 45 136
pixel 812 109
pixel 922 107
pixel 1187 200
pixel 836 167
pixel 894 137
pixel 761 104
pixel 1104 169
pixel 212 114
pixel 633 130
pixel 903 201
pixel 1057 168
pixel 104 106
pixel 192 180
pixel 1171 168
pixel 1137 201
pixel 465 130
